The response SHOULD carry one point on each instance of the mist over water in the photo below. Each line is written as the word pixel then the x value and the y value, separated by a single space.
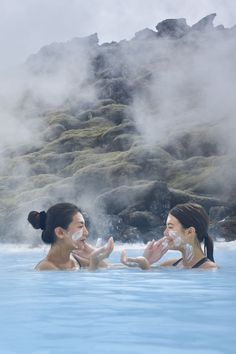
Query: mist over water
pixel 192 85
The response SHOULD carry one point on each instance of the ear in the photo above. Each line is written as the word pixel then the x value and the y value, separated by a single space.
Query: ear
pixel 59 232
pixel 191 231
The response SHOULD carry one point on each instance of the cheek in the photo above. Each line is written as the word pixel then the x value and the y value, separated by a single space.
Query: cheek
pixel 174 238
pixel 177 241
pixel 77 235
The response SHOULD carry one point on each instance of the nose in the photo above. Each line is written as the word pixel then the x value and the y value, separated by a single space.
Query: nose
pixel 166 233
pixel 85 231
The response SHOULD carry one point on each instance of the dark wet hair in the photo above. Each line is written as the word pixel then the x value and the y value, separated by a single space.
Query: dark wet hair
pixel 191 214
pixel 60 214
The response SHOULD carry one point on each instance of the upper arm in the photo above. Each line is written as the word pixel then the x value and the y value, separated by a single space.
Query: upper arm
pixel 45 265
pixel 168 263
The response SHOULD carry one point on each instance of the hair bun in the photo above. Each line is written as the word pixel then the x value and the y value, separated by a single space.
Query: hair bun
pixel 37 220
pixel 33 219
pixel 42 220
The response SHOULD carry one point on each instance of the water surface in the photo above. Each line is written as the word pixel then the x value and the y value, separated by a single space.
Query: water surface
pixel 116 311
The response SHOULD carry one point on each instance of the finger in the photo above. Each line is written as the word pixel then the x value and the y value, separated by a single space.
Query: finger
pixel 158 244
pixel 148 244
pixel 131 259
pixel 109 246
pixel 165 244
pixel 163 251
pixel 111 242
pixel 162 243
pixel 152 243
pixel 142 262
pixel 123 257
pixel 132 262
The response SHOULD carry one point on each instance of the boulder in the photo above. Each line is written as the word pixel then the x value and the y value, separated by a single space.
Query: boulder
pixel 227 228
pixel 153 196
pixel 174 28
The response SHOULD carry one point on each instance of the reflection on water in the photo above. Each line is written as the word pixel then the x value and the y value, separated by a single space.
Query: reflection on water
pixel 116 310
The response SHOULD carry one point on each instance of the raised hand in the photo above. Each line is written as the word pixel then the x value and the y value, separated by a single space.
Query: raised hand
pixel 155 250
pixel 83 255
pixel 141 262
pixel 101 253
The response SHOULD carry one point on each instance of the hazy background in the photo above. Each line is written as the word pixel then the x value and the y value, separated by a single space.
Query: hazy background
pixel 27 25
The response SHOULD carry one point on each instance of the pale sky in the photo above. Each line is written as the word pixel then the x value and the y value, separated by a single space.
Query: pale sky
pixel 27 25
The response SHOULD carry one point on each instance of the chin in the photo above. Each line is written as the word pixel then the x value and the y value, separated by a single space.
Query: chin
pixel 172 247
pixel 74 246
pixel 80 245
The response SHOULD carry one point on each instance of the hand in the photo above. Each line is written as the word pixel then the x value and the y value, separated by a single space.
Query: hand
pixel 89 248
pixel 83 255
pixel 142 262
pixel 155 250
pixel 101 253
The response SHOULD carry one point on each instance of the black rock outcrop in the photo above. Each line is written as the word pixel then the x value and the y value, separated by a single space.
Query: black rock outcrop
pixel 175 28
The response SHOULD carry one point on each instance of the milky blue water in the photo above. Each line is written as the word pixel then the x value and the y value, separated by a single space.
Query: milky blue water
pixel 116 311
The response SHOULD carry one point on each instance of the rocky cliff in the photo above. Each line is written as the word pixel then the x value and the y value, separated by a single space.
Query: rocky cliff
pixel 126 131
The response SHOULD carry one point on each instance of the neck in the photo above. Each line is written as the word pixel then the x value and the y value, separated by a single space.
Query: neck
pixel 191 253
pixel 59 255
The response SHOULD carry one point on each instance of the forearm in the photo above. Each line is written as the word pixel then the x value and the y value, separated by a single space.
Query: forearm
pixel 140 262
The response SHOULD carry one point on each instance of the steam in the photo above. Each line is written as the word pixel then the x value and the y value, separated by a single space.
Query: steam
pixel 29 25
pixel 56 78
pixel 192 85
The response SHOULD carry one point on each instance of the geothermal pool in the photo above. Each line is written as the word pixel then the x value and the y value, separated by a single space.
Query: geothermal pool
pixel 118 311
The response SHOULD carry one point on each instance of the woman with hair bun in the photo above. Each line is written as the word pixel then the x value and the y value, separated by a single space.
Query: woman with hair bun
pixel 63 227
pixel 186 228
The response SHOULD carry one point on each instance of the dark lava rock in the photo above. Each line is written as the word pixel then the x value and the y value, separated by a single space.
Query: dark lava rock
pixel 227 228
pixel 174 28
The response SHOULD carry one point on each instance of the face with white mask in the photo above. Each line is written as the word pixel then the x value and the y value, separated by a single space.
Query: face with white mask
pixel 77 232
pixel 175 233
pixel 180 238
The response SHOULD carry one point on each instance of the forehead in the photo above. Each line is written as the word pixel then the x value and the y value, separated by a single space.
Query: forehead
pixel 171 220
pixel 78 217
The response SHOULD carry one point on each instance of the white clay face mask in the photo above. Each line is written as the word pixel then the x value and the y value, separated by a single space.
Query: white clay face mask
pixel 164 244
pixel 188 252
pixel 77 235
pixel 176 238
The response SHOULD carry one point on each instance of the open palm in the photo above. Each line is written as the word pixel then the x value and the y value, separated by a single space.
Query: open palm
pixel 155 250
pixel 101 253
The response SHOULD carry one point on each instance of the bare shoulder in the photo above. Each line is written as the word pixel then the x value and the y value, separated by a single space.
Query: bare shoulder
pixel 169 262
pixel 209 265
pixel 45 265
